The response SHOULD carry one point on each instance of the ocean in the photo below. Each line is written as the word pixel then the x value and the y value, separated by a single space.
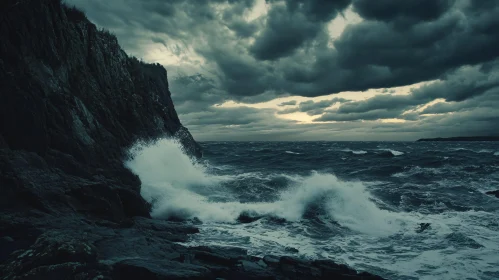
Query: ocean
pixel 358 203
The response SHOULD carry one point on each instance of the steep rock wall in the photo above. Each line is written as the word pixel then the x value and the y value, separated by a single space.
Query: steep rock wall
pixel 67 86
pixel 71 103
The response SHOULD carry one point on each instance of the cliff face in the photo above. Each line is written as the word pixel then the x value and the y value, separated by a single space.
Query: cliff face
pixel 71 103
pixel 69 87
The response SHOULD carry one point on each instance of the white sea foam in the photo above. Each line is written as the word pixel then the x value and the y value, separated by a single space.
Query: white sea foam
pixel 481 151
pixel 172 181
pixel 293 153
pixel 461 149
pixel 356 152
pixel 394 152
pixel 179 187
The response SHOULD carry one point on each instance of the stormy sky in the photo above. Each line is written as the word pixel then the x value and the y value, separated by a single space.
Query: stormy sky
pixel 319 70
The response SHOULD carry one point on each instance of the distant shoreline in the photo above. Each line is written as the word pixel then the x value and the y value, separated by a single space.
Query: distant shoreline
pixel 455 139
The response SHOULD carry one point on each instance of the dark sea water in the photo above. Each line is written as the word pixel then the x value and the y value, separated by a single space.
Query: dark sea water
pixel 358 203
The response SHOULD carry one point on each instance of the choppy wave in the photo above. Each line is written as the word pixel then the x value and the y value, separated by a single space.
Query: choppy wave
pixel 418 170
pixel 178 187
pixel 394 152
pixel 355 152
pixel 369 226
pixel 293 153
pixel 478 151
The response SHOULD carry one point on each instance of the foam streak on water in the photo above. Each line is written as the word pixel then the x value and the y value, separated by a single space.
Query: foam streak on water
pixel 326 201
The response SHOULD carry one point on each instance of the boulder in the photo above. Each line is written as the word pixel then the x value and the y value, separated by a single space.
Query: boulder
pixel 52 255
pixel 158 269
pixel 494 193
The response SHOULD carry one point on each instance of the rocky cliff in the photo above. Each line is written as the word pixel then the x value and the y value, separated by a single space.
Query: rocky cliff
pixel 72 100
pixel 71 103
pixel 68 86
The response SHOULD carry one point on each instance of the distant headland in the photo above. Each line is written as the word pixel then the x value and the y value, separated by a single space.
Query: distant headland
pixel 466 138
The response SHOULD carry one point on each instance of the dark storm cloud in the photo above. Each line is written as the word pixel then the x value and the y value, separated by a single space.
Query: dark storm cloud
pixel 310 107
pixel 317 10
pixel 379 102
pixel 467 123
pixel 241 77
pixel 406 11
pixel 287 103
pixel 289 52
pixel 159 41
pixel 284 33
pixel 291 25
pixel 227 116
pixel 468 86
pixel 242 28
pixel 425 51
pixel 195 93
pixel 316 108
pixel 489 100
pixel 372 54
pixel 463 83
pixel 375 54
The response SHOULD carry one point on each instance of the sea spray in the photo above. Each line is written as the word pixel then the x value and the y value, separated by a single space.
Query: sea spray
pixel 172 181
pixel 179 187
pixel 349 210
pixel 355 152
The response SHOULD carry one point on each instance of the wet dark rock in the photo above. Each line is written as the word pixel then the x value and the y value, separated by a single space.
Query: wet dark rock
pixel 331 268
pixel 494 193
pixel 219 259
pixel 222 256
pixel 272 261
pixel 248 217
pixel 164 226
pixel 196 221
pixel 52 254
pixel 6 239
pixel 72 103
pixel 291 250
pixel 277 220
pixel 78 102
pixel 158 269
pixel 423 227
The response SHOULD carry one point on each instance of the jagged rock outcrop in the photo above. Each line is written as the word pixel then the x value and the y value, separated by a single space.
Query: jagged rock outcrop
pixel 71 103
pixel 71 99
pixel 68 86
pixel 494 193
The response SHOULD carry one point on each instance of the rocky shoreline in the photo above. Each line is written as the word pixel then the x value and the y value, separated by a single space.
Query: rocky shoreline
pixel 72 104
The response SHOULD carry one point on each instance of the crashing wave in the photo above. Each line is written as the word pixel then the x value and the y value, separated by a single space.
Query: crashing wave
pixel 355 152
pixel 394 152
pixel 179 187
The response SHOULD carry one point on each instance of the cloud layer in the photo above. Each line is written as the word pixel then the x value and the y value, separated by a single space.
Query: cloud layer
pixel 268 52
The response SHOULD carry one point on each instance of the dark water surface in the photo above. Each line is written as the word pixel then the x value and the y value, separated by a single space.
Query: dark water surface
pixel 359 203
